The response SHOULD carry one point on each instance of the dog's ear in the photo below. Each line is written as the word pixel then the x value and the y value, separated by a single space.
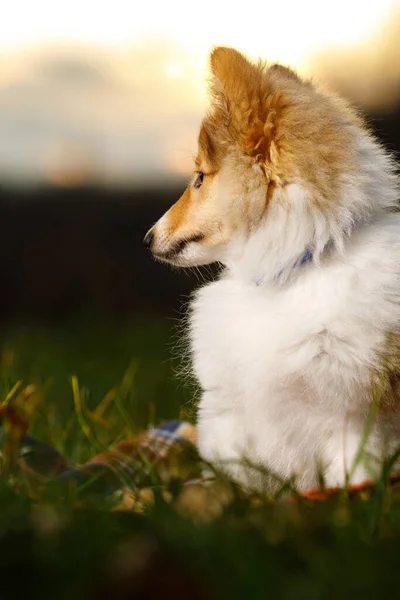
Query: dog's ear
pixel 231 69
pixel 233 81
pixel 285 72
pixel 244 103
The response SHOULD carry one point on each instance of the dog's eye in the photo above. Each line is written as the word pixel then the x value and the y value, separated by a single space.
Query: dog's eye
pixel 199 180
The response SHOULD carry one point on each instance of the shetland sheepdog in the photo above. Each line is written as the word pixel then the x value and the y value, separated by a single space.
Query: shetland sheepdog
pixel 297 343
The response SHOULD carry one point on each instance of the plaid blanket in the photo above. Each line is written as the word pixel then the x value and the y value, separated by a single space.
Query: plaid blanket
pixel 129 473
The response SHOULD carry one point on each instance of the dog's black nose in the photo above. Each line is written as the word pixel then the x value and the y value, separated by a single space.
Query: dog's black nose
pixel 148 238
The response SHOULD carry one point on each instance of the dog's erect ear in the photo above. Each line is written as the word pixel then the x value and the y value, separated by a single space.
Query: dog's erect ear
pixel 286 72
pixel 240 104
pixel 234 79
pixel 228 65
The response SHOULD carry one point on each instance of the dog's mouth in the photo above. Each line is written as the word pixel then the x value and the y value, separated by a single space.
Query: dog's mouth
pixel 176 249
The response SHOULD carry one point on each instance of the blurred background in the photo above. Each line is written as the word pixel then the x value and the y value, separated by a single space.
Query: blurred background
pixel 100 105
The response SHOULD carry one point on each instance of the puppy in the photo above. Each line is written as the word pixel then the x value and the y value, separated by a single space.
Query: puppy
pixel 298 341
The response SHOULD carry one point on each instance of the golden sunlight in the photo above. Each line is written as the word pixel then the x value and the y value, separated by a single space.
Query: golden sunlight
pixel 114 92
pixel 287 31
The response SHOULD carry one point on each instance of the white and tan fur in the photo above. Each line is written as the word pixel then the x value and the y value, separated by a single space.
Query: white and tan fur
pixel 290 356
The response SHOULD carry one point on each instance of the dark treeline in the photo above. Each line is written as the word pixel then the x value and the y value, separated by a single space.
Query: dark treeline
pixel 72 252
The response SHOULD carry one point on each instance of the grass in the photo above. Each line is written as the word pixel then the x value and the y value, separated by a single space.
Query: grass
pixel 124 374
pixel 86 386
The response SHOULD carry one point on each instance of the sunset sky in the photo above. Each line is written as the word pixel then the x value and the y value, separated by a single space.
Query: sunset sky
pixel 115 91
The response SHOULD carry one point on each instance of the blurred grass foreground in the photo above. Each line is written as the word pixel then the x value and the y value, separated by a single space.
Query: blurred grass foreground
pixel 251 547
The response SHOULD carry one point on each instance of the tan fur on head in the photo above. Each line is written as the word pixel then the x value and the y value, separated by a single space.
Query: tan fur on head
pixel 283 122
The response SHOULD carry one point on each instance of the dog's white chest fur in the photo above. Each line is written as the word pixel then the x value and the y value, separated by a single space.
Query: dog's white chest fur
pixel 286 370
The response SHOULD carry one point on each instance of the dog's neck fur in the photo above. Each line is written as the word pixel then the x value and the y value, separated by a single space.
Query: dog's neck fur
pixel 293 234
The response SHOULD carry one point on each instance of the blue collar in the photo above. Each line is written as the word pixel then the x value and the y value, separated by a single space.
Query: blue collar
pixel 306 257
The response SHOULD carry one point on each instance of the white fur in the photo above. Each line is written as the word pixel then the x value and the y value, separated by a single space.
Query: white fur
pixel 284 353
